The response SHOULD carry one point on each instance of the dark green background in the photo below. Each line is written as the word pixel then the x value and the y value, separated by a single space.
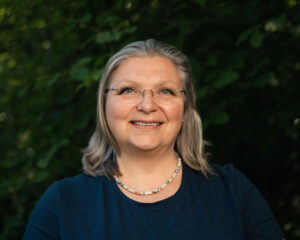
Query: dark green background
pixel 245 58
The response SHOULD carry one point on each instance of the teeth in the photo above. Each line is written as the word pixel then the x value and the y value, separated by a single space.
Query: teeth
pixel 145 124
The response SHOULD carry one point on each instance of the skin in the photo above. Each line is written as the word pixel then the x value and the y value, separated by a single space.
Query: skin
pixel 146 158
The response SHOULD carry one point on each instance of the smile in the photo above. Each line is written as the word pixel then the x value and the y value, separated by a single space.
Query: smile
pixel 146 124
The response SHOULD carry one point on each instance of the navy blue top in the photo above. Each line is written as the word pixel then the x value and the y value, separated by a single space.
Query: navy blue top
pixel 227 206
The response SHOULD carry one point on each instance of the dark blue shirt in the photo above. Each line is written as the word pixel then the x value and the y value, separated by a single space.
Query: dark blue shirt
pixel 227 206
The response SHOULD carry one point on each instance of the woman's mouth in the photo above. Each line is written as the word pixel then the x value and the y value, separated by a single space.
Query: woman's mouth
pixel 146 123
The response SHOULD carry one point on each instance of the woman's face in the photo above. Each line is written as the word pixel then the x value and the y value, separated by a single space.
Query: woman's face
pixel 145 124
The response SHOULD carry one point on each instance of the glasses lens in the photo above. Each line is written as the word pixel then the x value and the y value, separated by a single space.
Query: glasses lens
pixel 165 96
pixel 128 94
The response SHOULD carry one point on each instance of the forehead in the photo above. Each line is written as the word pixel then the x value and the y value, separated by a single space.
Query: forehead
pixel 147 72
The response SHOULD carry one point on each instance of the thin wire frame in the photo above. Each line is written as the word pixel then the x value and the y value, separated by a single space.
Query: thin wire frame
pixel 159 98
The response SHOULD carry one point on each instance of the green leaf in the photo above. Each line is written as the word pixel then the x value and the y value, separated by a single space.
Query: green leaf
pixel 130 29
pixel 104 37
pixel 41 176
pixel 44 161
pixel 200 2
pixel 82 61
pixel 111 36
pixel 275 24
pixel 52 80
pixel 86 18
pixel 97 73
pixel 246 34
pixel 226 78
pixel 263 80
pixel 116 35
pixel 70 25
pixel 79 73
pixel 211 76
pixel 94 76
pixel 201 94
pixel 220 118
pixel 292 3
pixel 106 18
pixel 256 39
pixel 212 60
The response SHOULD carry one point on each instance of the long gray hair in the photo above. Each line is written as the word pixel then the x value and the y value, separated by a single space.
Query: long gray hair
pixel 99 156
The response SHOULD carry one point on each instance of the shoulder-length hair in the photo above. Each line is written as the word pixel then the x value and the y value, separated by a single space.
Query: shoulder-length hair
pixel 99 156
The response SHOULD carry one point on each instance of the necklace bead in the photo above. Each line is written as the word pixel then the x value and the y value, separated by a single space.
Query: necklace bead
pixel 156 190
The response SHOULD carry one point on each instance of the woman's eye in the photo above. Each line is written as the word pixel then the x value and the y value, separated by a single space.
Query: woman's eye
pixel 126 90
pixel 166 91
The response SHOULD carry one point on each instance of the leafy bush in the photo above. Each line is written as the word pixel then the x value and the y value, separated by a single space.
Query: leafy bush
pixel 245 57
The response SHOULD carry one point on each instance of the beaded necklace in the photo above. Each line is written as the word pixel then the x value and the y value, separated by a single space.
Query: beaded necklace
pixel 156 190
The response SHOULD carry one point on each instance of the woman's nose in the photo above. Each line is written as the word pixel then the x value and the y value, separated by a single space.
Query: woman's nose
pixel 146 102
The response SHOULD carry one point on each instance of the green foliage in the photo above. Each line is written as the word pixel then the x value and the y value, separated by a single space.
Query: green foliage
pixel 245 58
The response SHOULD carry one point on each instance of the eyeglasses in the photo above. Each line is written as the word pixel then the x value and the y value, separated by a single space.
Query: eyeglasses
pixel 132 95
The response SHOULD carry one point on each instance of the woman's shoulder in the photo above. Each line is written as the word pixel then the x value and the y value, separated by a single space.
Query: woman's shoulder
pixel 258 218
pixel 80 183
pixel 225 177
pixel 227 171
pixel 224 170
pixel 77 180
pixel 230 175
pixel 68 192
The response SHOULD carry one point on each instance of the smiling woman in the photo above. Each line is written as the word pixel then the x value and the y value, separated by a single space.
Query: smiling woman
pixel 145 124
pixel 145 172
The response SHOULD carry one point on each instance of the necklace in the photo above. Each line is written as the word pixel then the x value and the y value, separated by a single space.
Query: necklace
pixel 156 190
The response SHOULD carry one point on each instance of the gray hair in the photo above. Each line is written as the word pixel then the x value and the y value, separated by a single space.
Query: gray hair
pixel 99 157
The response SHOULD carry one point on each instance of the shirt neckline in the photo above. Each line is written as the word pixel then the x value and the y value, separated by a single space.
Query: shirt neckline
pixel 162 202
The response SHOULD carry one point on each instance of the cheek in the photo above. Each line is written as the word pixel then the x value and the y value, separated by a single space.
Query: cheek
pixel 175 114
pixel 115 113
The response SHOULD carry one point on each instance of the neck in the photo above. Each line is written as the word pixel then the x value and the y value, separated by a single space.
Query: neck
pixel 147 165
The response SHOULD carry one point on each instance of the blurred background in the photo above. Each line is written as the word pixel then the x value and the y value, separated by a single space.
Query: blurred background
pixel 245 59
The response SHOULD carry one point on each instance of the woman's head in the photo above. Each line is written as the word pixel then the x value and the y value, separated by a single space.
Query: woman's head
pixel 144 105
pixel 99 156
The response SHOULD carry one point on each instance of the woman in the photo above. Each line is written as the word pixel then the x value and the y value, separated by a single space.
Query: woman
pixel 146 176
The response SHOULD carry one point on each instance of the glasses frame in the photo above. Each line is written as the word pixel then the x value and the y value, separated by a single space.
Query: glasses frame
pixel 142 91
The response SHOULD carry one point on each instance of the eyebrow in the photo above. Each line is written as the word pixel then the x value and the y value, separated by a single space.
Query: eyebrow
pixel 137 83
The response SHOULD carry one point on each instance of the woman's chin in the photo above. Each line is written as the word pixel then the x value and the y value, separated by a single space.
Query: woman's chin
pixel 145 145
